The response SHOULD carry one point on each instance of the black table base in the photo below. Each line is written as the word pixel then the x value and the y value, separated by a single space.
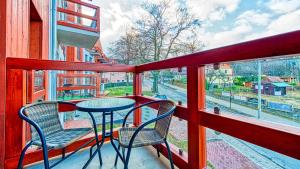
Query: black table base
pixel 105 135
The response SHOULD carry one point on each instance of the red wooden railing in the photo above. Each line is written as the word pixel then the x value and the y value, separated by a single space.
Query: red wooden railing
pixel 280 138
pixel 80 25
pixel 72 80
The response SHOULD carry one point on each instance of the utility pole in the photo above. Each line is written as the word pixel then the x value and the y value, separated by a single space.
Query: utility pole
pixel 259 90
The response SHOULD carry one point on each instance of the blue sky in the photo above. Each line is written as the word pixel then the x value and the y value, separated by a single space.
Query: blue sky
pixel 225 22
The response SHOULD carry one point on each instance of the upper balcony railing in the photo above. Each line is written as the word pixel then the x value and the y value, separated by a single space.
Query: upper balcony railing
pixel 78 14
pixel 276 137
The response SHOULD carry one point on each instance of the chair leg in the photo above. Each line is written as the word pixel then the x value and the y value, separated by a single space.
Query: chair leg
pixel 117 157
pixel 20 163
pixel 63 153
pixel 157 150
pixel 169 154
pixel 45 154
pixel 127 158
pixel 91 150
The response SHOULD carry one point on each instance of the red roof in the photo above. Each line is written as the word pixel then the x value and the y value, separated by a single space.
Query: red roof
pixel 272 79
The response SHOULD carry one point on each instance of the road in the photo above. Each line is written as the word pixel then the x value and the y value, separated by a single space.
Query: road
pixel 176 94
pixel 264 158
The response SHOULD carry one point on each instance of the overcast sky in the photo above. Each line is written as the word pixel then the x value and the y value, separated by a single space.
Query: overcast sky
pixel 224 22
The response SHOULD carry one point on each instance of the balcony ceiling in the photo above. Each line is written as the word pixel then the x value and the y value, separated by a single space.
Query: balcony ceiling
pixel 76 37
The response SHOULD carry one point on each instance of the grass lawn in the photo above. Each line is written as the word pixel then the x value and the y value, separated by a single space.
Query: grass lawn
pixel 148 93
pixel 119 91
pixel 107 127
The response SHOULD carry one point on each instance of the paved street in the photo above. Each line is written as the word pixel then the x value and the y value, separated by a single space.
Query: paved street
pixel 262 157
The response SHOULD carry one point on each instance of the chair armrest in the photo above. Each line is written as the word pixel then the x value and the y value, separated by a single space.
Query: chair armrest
pixel 137 107
pixel 149 122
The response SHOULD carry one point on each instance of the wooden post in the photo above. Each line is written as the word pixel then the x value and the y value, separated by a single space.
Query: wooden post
pixel 137 91
pixel 3 16
pixel 98 19
pixel 16 98
pixel 98 84
pixel 195 102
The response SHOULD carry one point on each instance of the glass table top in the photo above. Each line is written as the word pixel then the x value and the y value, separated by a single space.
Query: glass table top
pixel 105 104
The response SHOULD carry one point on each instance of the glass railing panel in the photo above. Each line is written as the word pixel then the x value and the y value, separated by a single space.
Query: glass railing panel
pixel 224 151
pixel 166 84
pixel 233 88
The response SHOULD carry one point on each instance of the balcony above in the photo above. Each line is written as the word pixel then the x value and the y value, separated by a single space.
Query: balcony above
pixel 78 24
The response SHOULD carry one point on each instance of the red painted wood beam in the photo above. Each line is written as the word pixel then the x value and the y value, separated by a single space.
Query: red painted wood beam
pixel 83 3
pixel 195 102
pixel 78 26
pixel 36 64
pixel 98 21
pixel 67 11
pixel 278 45
pixel 3 48
pixel 137 91
pixel 15 99
pixel 280 138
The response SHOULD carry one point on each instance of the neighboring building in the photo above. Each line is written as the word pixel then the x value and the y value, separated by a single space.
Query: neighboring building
pixel 113 77
pixel 78 41
pixel 223 76
pixel 272 85
pixel 248 84
pixel 289 79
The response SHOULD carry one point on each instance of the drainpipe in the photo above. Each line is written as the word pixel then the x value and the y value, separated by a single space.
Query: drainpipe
pixel 53 48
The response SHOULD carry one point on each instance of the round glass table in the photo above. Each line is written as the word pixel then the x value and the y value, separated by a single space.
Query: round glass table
pixel 106 106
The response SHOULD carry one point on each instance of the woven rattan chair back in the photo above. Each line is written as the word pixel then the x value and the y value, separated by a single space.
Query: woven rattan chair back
pixel 45 114
pixel 162 125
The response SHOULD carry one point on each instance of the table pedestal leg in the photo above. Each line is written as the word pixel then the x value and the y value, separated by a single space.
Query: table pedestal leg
pixel 112 137
pixel 97 143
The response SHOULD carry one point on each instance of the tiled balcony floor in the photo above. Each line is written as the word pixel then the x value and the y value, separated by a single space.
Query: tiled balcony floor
pixel 141 158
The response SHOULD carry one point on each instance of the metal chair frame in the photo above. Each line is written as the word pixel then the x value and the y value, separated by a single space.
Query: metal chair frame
pixel 43 141
pixel 125 159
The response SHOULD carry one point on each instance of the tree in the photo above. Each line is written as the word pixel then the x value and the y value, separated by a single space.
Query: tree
pixel 157 34
pixel 124 51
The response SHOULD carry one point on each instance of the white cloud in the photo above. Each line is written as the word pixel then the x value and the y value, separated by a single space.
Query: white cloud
pixel 285 23
pixel 212 9
pixel 254 17
pixel 115 17
pixel 283 6
pixel 283 16
pixel 218 39
pixel 282 24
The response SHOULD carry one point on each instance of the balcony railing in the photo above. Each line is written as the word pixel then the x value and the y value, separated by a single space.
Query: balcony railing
pixel 88 85
pixel 77 18
pixel 280 138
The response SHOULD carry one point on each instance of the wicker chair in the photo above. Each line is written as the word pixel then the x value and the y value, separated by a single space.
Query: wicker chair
pixel 47 131
pixel 130 137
